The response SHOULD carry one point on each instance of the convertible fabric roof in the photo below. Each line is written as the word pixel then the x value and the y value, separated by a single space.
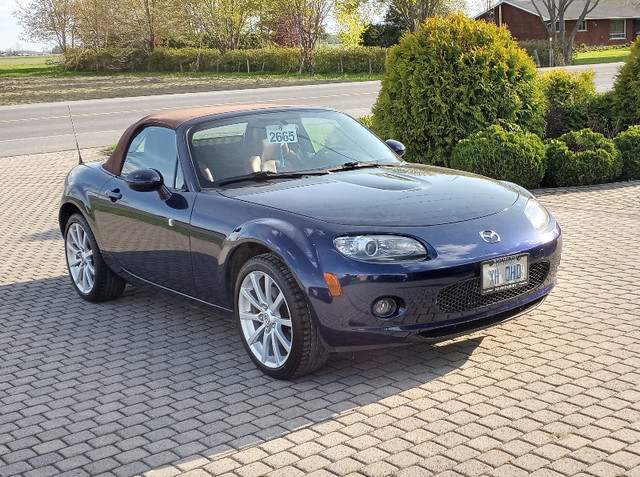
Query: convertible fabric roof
pixel 171 119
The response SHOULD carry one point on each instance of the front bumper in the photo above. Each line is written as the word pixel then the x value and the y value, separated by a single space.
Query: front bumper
pixel 435 304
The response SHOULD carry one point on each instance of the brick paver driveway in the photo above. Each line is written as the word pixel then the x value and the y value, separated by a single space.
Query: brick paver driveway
pixel 149 385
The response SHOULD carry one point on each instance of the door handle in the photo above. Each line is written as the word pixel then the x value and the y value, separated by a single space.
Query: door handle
pixel 114 194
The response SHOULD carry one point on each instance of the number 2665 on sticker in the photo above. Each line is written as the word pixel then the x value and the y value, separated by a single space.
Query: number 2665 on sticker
pixel 281 133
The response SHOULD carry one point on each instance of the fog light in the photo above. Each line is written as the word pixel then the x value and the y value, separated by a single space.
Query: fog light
pixel 385 307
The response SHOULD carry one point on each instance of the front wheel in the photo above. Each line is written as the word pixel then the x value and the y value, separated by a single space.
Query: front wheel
pixel 91 277
pixel 274 320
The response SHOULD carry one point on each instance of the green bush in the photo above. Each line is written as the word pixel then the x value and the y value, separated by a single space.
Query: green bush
pixel 626 88
pixel 114 59
pixel 628 143
pixel 581 158
pixel 568 97
pixel 184 59
pixel 332 60
pixel 514 156
pixel 452 77
pixel 601 115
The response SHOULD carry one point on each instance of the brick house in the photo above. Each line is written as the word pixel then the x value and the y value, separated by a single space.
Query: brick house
pixel 611 22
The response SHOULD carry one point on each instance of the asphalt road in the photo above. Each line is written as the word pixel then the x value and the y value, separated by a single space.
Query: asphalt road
pixel 41 128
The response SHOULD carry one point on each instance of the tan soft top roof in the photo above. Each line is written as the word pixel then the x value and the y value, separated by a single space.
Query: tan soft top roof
pixel 170 119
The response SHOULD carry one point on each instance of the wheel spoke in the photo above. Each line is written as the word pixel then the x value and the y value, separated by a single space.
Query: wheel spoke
pixel 257 288
pixel 277 302
pixel 265 347
pixel 247 294
pixel 286 344
pixel 268 282
pixel 73 262
pixel 245 315
pixel 276 351
pixel 254 337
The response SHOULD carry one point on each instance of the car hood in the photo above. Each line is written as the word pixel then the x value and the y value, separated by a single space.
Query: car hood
pixel 406 195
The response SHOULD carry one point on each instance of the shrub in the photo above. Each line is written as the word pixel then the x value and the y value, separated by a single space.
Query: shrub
pixel 514 156
pixel 452 77
pixel 601 116
pixel 184 59
pixel 628 143
pixel 581 158
pixel 114 59
pixel 568 96
pixel 626 88
pixel 332 60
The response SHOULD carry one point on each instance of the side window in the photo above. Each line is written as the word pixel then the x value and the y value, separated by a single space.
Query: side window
pixel 220 151
pixel 155 148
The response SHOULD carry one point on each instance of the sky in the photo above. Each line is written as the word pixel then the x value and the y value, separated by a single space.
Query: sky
pixel 10 31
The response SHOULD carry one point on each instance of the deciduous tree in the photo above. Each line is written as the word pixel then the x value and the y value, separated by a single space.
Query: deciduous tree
pixel 47 20
pixel 552 13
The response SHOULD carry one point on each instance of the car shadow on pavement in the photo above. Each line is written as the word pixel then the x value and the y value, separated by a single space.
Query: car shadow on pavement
pixel 147 381
pixel 52 234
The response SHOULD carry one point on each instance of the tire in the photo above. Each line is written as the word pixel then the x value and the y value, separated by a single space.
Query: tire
pixel 91 277
pixel 274 321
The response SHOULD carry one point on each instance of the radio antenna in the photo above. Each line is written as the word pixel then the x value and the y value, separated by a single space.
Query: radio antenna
pixel 73 127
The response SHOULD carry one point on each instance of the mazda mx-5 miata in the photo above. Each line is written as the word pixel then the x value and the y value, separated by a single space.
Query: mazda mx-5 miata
pixel 314 232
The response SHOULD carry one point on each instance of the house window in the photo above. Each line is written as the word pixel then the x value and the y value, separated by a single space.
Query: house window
pixel 617 29
pixel 582 26
pixel 557 27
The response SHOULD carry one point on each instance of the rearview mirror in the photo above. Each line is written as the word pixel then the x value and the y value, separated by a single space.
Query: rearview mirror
pixel 396 146
pixel 147 180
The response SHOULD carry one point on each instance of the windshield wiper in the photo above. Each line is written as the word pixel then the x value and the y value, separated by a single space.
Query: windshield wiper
pixel 355 165
pixel 267 175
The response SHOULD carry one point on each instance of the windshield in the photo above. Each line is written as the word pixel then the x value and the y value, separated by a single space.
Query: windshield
pixel 282 142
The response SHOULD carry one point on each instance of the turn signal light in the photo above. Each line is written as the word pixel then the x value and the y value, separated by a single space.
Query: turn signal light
pixel 333 283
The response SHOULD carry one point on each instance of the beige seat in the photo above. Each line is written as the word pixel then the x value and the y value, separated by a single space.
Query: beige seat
pixel 269 158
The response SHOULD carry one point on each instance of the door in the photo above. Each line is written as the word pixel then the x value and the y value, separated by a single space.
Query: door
pixel 143 232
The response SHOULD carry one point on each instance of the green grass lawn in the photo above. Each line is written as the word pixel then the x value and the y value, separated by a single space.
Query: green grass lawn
pixel 30 65
pixel 603 56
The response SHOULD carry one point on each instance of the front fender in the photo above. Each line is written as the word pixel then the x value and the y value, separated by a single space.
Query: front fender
pixel 82 185
pixel 293 244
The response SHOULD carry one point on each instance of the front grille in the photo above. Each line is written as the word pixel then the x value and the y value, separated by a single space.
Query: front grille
pixel 465 295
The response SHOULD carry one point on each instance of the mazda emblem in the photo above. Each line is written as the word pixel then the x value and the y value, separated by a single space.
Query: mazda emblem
pixel 490 236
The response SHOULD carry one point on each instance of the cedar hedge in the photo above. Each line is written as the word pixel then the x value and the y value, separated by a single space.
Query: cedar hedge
pixel 628 143
pixel 581 158
pixel 329 60
pixel 511 155
pixel 451 78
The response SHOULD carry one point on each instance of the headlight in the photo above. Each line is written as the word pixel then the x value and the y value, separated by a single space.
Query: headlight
pixel 537 215
pixel 380 248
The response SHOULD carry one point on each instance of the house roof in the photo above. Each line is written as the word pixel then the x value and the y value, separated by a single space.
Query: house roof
pixel 606 9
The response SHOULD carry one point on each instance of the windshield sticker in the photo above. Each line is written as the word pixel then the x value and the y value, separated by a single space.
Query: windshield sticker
pixel 278 133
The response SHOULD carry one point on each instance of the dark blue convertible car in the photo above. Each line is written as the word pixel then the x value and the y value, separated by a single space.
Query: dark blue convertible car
pixel 315 233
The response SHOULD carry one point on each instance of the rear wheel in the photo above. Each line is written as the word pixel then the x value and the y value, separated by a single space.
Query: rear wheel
pixel 274 320
pixel 91 277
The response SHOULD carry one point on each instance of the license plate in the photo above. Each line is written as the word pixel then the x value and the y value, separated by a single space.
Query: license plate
pixel 504 273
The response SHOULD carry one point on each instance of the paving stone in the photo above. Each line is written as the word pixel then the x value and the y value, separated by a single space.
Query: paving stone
pixel 149 385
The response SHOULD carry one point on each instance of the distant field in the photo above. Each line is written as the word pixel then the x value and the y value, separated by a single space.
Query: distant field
pixel 604 56
pixel 30 65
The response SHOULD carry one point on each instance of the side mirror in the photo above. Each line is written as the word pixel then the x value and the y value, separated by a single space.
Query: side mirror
pixel 147 180
pixel 396 146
